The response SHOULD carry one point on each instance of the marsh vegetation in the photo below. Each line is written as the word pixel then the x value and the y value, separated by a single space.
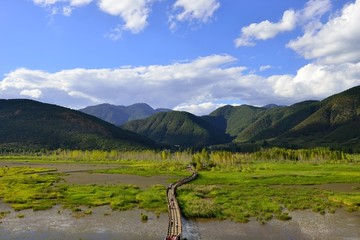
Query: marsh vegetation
pixel 235 186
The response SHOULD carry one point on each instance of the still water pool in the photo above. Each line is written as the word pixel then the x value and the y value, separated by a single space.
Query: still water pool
pixel 103 223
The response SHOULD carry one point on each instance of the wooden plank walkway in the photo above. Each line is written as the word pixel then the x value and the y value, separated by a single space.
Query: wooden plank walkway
pixel 175 223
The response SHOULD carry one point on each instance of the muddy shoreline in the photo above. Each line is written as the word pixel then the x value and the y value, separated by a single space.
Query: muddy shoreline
pixel 59 223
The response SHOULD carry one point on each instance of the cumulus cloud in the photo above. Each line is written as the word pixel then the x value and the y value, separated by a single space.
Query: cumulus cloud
pixel 266 29
pixel 33 93
pixel 126 85
pixel 199 109
pixel 308 17
pixel 133 12
pixel 192 11
pixel 198 86
pixel 337 41
pixel 316 81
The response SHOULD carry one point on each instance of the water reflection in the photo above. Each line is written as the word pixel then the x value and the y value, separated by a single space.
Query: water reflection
pixel 103 223
pixel 304 225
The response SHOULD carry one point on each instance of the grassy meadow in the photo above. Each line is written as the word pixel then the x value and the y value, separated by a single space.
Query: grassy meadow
pixel 235 186
pixel 270 190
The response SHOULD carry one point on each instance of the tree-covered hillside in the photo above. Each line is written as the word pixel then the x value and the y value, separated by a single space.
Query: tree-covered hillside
pixel 178 128
pixel 332 122
pixel 31 124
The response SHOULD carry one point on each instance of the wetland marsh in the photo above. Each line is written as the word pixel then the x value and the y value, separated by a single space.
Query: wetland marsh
pixel 246 197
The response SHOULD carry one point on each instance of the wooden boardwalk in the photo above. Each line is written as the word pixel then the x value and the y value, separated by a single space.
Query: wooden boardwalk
pixel 175 223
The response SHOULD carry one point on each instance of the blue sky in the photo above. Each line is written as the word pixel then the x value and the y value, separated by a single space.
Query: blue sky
pixel 181 54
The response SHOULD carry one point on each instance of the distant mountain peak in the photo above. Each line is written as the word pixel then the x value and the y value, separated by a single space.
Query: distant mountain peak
pixel 119 115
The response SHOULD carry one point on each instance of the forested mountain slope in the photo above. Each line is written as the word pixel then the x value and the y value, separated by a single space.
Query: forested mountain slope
pixel 332 122
pixel 178 128
pixel 31 124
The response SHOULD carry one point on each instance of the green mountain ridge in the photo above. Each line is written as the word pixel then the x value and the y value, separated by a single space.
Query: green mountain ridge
pixel 238 118
pixel 33 125
pixel 178 128
pixel 277 121
pixel 332 122
pixel 336 123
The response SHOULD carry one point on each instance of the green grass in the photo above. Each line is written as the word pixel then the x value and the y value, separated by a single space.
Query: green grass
pixel 149 168
pixel 263 191
pixel 122 197
pixel 25 188
pixel 284 173
pixel 240 191
pixel 349 199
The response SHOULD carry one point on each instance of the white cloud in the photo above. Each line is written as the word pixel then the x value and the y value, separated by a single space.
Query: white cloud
pixel 190 11
pixel 133 12
pixel 309 17
pixel 199 109
pixel 66 6
pixel 337 41
pixel 264 68
pixel 46 2
pixel 313 10
pixel 198 86
pixel 78 3
pixel 316 81
pixel 266 29
pixel 33 93
pixel 125 85
pixel 74 3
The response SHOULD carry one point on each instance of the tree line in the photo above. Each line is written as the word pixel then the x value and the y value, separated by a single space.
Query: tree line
pixel 202 159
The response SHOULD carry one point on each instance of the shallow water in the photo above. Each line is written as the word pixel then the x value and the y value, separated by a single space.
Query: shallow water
pixel 103 223
pixel 304 225
pixel 103 179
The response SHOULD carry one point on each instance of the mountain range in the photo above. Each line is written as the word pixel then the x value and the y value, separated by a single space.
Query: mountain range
pixel 119 115
pixel 333 122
